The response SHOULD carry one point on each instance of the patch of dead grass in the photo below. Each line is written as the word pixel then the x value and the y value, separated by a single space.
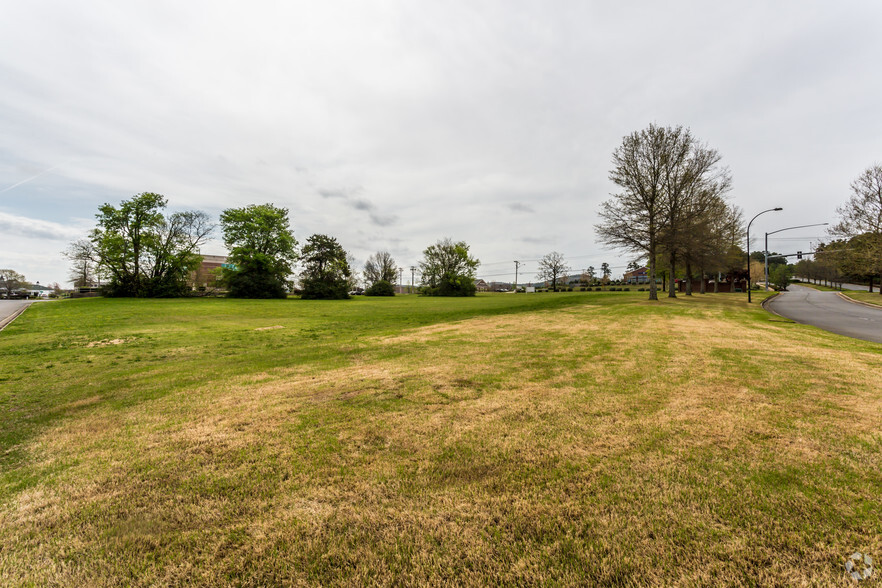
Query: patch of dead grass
pixel 469 461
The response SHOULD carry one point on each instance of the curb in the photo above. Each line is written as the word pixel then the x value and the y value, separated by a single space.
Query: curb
pixel 5 322
pixel 765 302
pixel 861 302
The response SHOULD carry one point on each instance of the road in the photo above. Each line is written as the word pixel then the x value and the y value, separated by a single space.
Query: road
pixel 826 310
pixel 9 308
pixel 851 286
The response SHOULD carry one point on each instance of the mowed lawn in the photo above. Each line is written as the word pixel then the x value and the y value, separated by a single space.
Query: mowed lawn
pixel 548 439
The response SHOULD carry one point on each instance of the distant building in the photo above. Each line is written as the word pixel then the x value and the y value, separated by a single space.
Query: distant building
pixel 206 275
pixel 638 276
pixel 481 286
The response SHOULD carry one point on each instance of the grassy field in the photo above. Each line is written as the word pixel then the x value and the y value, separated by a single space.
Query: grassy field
pixel 548 439
pixel 872 298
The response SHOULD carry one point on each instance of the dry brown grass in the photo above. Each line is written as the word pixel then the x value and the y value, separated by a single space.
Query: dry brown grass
pixel 546 448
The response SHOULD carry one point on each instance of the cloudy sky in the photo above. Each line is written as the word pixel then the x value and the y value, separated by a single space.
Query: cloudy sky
pixel 390 125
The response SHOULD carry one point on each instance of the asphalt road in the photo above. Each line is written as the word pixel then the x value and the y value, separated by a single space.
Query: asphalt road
pixel 826 310
pixel 8 308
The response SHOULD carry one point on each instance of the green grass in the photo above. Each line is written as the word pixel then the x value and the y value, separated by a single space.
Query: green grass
pixel 869 297
pixel 562 439
pixel 820 287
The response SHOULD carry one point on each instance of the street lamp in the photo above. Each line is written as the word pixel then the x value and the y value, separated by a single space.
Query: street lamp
pixel 748 247
pixel 766 276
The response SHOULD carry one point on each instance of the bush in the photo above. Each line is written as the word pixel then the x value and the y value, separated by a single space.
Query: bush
pixel 380 288
pixel 322 290
pixel 626 289
pixel 598 289
pixel 463 286
pixel 569 289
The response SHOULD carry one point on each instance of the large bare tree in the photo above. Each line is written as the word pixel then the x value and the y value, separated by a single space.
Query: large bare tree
pixel 632 219
pixel 380 266
pixel 551 267
pixel 861 224
pixel 669 183
pixel 694 186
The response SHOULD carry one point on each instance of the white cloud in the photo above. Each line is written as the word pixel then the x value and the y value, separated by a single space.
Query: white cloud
pixel 491 122
pixel 31 228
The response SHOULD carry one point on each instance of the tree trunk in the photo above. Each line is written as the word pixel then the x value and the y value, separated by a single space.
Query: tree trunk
pixel 717 284
pixel 672 285
pixel 688 278
pixel 703 282
pixel 871 284
pixel 653 287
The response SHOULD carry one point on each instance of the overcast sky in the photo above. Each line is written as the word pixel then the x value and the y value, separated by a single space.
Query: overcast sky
pixel 390 125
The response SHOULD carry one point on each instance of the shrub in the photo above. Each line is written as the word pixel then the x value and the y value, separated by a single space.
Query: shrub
pixel 626 289
pixel 380 288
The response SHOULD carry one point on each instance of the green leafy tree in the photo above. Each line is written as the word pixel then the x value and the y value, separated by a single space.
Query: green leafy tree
pixel 448 269
pixel 780 275
pixel 605 271
pixel 326 270
pixel 143 252
pixel 262 248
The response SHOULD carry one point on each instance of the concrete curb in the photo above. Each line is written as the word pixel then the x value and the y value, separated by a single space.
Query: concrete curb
pixel 5 322
pixel 769 299
pixel 765 306
pixel 861 302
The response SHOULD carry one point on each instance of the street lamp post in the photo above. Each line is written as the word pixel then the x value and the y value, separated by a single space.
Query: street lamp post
pixel 766 276
pixel 748 247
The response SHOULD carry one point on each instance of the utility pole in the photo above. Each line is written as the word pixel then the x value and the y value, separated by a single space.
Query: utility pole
pixel 400 274
pixel 517 265
pixel 412 270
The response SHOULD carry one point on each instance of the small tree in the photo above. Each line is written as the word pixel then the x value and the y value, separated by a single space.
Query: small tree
pixel 551 267
pixel 84 261
pixel 448 269
pixel 326 271
pixel 780 275
pixel 591 273
pixel 380 266
pixel 604 269
pixel 262 250
pixel 10 281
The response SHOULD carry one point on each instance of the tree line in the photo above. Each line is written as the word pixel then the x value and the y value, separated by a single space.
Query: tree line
pixel 138 250
pixel 672 205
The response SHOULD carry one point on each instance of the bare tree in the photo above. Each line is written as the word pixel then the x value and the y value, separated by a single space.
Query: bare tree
pixel 861 224
pixel 669 182
pixel 694 185
pixel 11 280
pixel 84 260
pixel 551 267
pixel 380 266
pixel 631 220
